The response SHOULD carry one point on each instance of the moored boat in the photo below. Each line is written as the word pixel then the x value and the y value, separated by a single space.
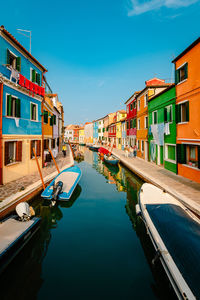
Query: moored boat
pixel 63 185
pixel 175 234
pixel 15 232
pixel 112 160
pixel 94 147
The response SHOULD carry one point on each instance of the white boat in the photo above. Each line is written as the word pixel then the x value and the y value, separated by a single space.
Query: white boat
pixel 175 233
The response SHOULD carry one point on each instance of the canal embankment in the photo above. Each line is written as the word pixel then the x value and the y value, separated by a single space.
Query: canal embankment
pixel 27 187
pixel 183 189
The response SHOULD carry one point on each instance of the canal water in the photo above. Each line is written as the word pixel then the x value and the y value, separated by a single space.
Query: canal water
pixel 92 247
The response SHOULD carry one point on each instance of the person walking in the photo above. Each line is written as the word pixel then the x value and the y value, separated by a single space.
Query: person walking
pixel 64 149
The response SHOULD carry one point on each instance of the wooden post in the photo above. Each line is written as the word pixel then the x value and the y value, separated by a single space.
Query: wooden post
pixel 54 160
pixel 71 148
pixel 39 168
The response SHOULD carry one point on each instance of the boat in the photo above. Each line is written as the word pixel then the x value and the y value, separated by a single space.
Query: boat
pixel 175 233
pixel 112 160
pixel 94 147
pixel 81 144
pixel 103 151
pixel 15 233
pixel 63 185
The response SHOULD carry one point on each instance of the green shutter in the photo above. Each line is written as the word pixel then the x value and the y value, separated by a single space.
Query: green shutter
pixel 8 57
pixel 31 111
pixel 54 119
pixel 187 111
pixel 178 113
pixel 9 105
pixel 186 70
pixel 165 114
pixel 33 76
pixel 169 114
pixel 51 121
pixel 17 108
pixel 177 76
pixel 19 63
pixel 38 78
pixel 181 153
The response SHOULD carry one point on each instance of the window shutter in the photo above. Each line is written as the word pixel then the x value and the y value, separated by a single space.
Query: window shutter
pixel 199 157
pixel 31 149
pixel 187 111
pixel 186 70
pixel 19 151
pixel 6 153
pixel 181 153
pixel 178 113
pixel 54 119
pixel 19 63
pixel 45 113
pixel 33 76
pixel 51 121
pixel 9 105
pixel 8 57
pixel 176 76
pixel 38 78
pixel 31 111
pixel 38 148
pixel 165 114
pixel 18 108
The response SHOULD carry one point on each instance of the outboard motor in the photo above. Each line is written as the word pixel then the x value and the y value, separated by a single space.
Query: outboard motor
pixel 57 189
pixel 23 211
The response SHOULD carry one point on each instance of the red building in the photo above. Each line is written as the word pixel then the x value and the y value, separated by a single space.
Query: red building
pixel 112 132
pixel 76 133
pixel 131 109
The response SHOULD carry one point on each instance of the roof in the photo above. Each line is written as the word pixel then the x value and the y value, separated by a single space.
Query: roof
pixel 187 49
pixel 165 90
pixel 72 127
pixel 153 87
pixel 11 37
pixel 122 111
pixel 134 94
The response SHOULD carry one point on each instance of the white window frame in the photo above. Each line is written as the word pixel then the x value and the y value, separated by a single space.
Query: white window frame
pixel 153 117
pixel 146 100
pixel 180 68
pixel 171 113
pixel 15 59
pixel 138 104
pixel 15 151
pixel 138 124
pixel 7 94
pixel 166 153
pixel 36 111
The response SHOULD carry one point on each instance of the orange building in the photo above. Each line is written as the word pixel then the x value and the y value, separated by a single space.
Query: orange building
pixel 47 123
pixel 153 87
pixel 187 79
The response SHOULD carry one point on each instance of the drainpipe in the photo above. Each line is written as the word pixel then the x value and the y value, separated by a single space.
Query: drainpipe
pixel 1 138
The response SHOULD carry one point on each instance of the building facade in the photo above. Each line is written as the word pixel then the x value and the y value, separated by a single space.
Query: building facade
pixel 131 128
pixel 88 130
pixel 187 80
pixel 22 92
pixel 95 131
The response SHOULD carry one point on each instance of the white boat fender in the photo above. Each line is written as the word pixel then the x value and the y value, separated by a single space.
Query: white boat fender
pixel 138 210
pixel 23 211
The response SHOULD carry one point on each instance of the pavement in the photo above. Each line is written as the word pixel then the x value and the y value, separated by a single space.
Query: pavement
pixel 183 189
pixel 12 192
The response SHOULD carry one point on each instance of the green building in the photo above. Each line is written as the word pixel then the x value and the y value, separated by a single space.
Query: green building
pixel 162 129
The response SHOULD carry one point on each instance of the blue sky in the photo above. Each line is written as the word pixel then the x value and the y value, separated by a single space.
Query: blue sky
pixel 98 52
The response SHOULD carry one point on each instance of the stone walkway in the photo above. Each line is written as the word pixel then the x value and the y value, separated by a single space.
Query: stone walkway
pixel 23 182
pixel 185 190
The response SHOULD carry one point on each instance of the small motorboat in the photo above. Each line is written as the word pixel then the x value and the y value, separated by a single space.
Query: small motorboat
pixel 15 232
pixel 94 147
pixel 175 233
pixel 103 151
pixel 63 185
pixel 112 160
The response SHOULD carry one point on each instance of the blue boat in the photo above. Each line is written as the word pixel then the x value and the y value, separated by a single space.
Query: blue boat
pixel 15 234
pixel 94 147
pixel 112 160
pixel 175 233
pixel 63 185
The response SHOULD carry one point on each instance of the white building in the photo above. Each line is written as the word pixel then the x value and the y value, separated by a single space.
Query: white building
pixel 88 131
pixel 100 129
pixel 69 133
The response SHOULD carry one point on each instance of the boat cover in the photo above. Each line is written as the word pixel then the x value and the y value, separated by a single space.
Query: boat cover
pixel 181 236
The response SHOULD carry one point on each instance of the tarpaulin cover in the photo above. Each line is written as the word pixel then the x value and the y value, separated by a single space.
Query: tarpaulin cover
pixel 103 150
pixel 181 236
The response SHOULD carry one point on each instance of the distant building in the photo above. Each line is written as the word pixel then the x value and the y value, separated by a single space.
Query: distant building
pixel 131 110
pixel 95 131
pixel 88 131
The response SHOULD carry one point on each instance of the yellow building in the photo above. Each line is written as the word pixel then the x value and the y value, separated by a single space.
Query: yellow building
pixel 81 135
pixel 120 114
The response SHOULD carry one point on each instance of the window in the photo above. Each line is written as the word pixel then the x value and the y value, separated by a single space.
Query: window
pixel 181 73
pixel 134 104
pixel 46 144
pixel 192 155
pixel 138 145
pixel 119 141
pixel 13 107
pixel 33 112
pixel 131 106
pixel 154 117
pixel 13 152
pixel 127 124
pixel 146 122
pixel 138 124
pixel 138 104
pixel 134 123
pixel 170 153
pixel 35 76
pixel 182 111
pixel 168 114
pixel 146 100
pixel 142 145
pixel 13 60
pixel 37 145
pixel 46 115
pixel 127 109
pixel 53 143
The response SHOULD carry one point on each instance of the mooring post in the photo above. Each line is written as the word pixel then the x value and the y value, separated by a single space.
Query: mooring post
pixel 54 160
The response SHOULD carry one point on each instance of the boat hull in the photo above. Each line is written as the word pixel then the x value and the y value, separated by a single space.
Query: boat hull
pixel 94 148
pixel 113 162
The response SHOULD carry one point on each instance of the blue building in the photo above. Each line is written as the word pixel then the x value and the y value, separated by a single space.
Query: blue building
pixel 95 131
pixel 22 91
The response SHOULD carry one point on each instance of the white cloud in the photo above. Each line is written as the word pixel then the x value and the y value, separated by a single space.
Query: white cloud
pixel 139 7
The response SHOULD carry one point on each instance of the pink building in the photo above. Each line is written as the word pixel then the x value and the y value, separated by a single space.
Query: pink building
pixel 131 109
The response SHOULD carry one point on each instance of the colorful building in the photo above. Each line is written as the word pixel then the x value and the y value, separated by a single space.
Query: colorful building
pixel 152 88
pixel 72 133
pixel 88 130
pixel 100 129
pixel 124 130
pixel 47 122
pixel 112 132
pixel 120 115
pixel 81 135
pixel 108 119
pixel 162 129
pixel 131 110
pixel 187 80
pixel 22 92
pixel 95 131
